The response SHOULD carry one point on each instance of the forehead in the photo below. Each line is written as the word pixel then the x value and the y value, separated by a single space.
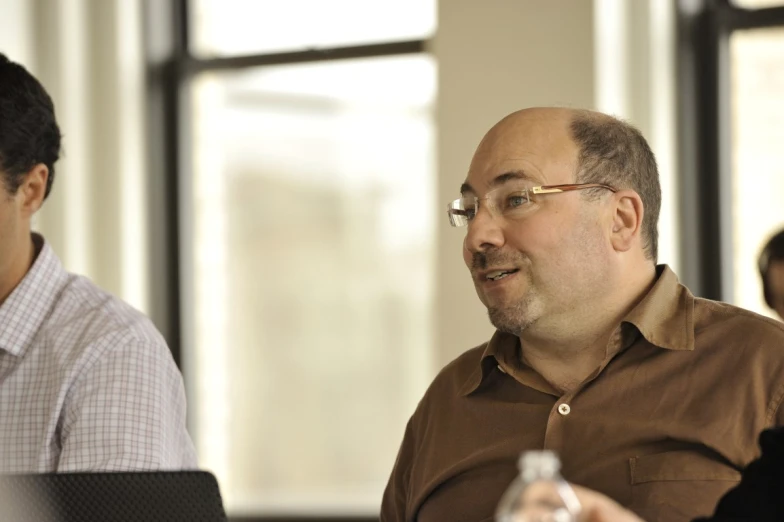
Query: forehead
pixel 539 146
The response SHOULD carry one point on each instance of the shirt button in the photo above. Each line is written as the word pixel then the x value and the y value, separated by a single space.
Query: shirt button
pixel 501 369
pixel 564 409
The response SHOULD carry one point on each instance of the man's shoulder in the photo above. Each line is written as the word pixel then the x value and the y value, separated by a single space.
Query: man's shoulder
pixel 464 364
pixel 85 315
pixel 453 378
pixel 740 323
pixel 737 334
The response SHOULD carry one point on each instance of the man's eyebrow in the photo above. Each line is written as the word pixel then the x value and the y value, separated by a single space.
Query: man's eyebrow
pixel 499 180
pixel 465 187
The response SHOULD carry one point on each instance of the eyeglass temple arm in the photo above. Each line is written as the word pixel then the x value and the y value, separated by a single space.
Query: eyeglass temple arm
pixel 553 189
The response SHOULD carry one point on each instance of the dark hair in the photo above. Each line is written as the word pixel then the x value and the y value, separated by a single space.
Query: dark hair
pixel 615 153
pixel 772 251
pixel 29 134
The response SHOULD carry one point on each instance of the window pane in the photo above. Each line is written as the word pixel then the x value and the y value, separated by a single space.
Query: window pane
pixel 313 230
pixel 757 59
pixel 236 27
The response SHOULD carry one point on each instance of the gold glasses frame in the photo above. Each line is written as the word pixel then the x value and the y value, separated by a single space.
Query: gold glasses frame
pixel 460 217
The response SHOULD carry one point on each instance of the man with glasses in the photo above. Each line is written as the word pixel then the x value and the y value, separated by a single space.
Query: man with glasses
pixel 86 382
pixel 650 395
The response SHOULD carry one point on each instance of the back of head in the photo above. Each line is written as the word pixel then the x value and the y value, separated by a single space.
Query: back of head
pixel 772 252
pixel 29 133
pixel 613 152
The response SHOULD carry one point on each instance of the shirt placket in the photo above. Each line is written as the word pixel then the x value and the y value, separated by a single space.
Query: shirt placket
pixel 556 422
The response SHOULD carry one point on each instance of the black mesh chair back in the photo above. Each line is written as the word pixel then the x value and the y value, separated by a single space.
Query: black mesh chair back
pixel 176 496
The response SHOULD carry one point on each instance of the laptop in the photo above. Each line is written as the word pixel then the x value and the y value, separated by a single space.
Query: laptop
pixel 170 496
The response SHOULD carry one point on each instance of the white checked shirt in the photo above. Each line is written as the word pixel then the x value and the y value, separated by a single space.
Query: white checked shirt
pixel 86 382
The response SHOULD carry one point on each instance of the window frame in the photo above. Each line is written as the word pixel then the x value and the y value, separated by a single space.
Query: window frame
pixel 704 28
pixel 171 68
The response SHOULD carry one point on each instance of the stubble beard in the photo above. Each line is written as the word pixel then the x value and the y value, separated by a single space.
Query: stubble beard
pixel 516 318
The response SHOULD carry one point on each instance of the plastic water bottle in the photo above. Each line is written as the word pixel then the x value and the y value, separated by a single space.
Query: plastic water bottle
pixel 539 493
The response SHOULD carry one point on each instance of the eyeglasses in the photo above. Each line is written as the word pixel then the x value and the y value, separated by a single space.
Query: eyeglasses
pixel 510 201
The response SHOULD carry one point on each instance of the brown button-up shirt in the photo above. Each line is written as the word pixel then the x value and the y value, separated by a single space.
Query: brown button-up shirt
pixel 663 426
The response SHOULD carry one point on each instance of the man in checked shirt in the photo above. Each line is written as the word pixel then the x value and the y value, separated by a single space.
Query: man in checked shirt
pixel 86 382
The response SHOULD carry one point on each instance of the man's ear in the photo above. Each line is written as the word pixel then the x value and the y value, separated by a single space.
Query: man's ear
pixel 627 220
pixel 33 188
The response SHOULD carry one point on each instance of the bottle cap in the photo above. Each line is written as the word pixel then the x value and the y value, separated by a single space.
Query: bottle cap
pixel 539 464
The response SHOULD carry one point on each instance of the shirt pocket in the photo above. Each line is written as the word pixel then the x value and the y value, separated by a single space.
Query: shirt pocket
pixel 680 465
pixel 678 485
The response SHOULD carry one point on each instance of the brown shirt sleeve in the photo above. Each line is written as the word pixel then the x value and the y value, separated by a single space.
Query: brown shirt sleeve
pixel 394 501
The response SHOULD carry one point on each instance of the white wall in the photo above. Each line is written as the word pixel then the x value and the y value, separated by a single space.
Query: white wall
pixel 16 35
pixel 494 57
pixel 88 55
pixel 635 80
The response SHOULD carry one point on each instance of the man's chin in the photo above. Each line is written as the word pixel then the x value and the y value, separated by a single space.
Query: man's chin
pixel 508 321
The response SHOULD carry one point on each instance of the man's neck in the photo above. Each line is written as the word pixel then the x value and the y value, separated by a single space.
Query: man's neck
pixel 566 350
pixel 567 361
pixel 16 269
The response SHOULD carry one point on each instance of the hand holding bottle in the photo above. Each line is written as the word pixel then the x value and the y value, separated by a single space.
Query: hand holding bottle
pixel 600 508
pixel 540 494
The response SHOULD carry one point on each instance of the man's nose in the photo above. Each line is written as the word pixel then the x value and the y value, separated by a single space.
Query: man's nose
pixel 484 232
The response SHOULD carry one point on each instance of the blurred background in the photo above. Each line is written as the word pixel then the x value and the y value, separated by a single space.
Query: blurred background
pixel 267 180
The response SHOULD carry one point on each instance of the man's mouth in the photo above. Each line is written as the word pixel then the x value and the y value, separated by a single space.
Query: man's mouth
pixel 496 275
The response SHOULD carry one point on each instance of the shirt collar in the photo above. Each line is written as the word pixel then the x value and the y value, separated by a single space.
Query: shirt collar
pixel 26 308
pixel 501 347
pixel 664 317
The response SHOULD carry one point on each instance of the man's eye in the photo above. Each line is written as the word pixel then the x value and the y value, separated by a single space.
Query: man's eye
pixel 516 201
pixel 470 213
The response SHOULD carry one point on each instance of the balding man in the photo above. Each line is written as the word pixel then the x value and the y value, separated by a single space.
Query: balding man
pixel 650 395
